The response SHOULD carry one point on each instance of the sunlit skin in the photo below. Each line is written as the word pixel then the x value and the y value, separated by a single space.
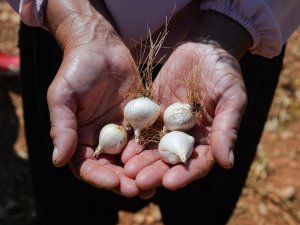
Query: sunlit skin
pixel 224 99
pixel 87 93
pixel 89 89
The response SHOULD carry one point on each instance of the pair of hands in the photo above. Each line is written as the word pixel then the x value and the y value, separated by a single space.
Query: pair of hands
pixel 88 93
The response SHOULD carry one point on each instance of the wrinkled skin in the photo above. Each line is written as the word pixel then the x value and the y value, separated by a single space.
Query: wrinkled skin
pixel 223 100
pixel 88 93
pixel 85 96
pixel 211 57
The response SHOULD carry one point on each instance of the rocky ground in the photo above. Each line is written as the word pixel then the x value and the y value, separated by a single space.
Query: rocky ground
pixel 272 192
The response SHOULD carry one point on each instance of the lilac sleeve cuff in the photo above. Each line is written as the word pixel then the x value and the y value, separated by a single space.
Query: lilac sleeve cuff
pixel 257 18
pixel 31 11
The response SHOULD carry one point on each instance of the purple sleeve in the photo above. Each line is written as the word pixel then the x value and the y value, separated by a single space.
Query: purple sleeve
pixel 31 11
pixel 265 20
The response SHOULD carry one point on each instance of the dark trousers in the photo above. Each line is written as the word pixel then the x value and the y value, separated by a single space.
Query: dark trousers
pixel 62 199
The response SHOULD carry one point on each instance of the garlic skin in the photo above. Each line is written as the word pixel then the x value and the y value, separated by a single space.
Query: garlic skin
pixel 112 140
pixel 176 147
pixel 179 116
pixel 141 113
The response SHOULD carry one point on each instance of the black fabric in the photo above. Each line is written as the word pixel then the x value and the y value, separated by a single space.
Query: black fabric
pixel 62 199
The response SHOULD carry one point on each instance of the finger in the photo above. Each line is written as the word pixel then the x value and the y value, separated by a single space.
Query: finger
pixel 147 194
pixel 151 176
pixel 140 161
pixel 63 123
pixel 131 149
pixel 127 185
pixel 197 166
pixel 64 135
pixel 226 123
pixel 93 172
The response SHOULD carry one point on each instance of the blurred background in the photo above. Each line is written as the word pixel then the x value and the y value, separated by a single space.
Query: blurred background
pixel 272 192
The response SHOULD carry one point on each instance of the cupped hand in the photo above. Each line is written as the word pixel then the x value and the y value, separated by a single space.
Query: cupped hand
pixel 87 93
pixel 218 80
pixel 208 61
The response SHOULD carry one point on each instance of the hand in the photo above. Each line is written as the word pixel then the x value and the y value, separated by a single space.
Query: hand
pixel 88 92
pixel 223 98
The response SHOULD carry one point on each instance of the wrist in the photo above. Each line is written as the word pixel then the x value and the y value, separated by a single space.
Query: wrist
pixel 218 29
pixel 74 23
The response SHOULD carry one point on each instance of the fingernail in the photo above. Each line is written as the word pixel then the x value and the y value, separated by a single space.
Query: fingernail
pixel 54 155
pixel 231 158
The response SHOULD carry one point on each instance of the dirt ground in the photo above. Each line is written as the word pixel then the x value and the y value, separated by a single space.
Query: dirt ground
pixel 272 192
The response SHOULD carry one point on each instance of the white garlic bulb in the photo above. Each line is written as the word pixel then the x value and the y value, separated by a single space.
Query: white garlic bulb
pixel 176 147
pixel 179 116
pixel 141 113
pixel 112 140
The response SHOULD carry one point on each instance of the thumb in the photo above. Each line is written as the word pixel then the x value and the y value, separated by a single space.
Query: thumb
pixel 226 123
pixel 62 108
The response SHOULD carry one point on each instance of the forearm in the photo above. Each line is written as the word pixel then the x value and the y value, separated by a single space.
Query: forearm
pixel 214 27
pixel 75 23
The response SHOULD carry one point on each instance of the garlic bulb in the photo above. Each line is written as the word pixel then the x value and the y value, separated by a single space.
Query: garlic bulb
pixel 176 147
pixel 179 116
pixel 112 140
pixel 141 113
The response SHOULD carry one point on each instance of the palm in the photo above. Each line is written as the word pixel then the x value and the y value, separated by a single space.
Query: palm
pixel 223 99
pixel 88 93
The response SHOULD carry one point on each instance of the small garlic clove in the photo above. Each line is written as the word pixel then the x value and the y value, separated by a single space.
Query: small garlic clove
pixel 141 113
pixel 176 147
pixel 112 140
pixel 179 116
